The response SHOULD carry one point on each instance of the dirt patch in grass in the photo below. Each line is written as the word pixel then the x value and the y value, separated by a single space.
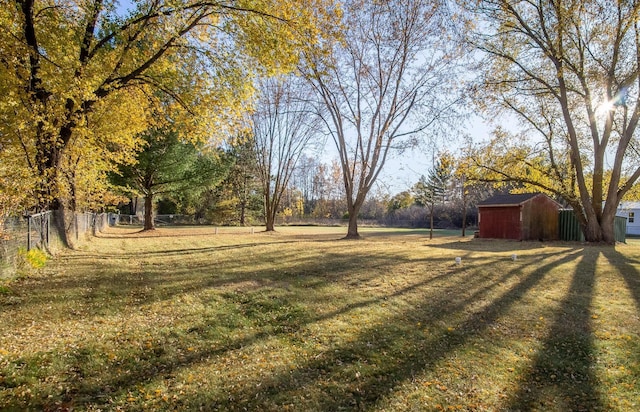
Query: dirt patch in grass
pixel 191 319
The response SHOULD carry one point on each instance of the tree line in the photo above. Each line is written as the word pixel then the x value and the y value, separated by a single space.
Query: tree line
pixel 94 95
pixel 226 188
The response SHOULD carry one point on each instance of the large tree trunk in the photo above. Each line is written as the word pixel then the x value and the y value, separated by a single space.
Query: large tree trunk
pixel 270 217
pixel 604 228
pixel 269 209
pixel 592 231
pixel 270 223
pixel 48 162
pixel 148 212
pixel 352 231
pixel 599 231
pixel 67 225
pixel 608 229
pixel 464 209
pixel 464 220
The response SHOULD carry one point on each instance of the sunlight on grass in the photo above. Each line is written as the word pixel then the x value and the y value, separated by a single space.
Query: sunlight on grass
pixel 184 319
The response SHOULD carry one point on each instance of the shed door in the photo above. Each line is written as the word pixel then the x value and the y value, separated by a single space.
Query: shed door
pixel 500 222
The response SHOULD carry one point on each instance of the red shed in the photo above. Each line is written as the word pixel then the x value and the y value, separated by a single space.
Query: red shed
pixel 527 216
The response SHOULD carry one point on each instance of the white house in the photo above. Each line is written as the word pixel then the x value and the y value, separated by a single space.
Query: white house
pixel 630 210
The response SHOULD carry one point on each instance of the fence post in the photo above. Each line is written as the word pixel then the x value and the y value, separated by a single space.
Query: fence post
pixel 28 232
pixel 48 232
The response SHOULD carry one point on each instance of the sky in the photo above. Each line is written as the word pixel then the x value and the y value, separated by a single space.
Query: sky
pixel 401 171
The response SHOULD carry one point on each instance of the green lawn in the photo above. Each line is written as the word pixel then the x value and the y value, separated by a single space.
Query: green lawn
pixel 187 319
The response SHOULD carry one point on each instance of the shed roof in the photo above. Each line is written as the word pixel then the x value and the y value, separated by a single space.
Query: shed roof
pixel 508 200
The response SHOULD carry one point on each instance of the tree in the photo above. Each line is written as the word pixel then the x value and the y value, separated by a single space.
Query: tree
pixel 467 192
pixel 243 181
pixel 402 200
pixel 168 165
pixel 81 80
pixel 283 126
pixel 328 191
pixel 195 198
pixel 16 186
pixel 569 72
pixel 303 178
pixel 462 198
pixel 433 190
pixel 395 62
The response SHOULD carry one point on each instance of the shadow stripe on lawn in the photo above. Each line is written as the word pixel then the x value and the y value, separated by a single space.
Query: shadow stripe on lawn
pixel 365 394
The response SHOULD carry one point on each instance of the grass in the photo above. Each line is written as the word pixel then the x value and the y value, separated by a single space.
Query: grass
pixel 187 319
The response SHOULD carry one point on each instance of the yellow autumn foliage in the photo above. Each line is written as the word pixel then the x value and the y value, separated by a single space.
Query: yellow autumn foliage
pixel 81 79
pixel 509 158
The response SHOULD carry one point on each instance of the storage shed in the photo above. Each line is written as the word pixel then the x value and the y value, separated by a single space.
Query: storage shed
pixel 527 216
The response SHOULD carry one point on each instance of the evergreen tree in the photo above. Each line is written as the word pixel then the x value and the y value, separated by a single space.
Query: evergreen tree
pixel 432 190
pixel 167 165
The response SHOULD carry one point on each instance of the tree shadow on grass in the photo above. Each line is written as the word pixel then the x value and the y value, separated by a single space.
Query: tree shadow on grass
pixel 397 348
pixel 501 245
pixel 628 272
pixel 90 383
pixel 171 252
pixel 123 288
pixel 123 232
pixel 170 350
pixel 396 351
pixel 562 369
pixel 631 277
pixel 151 278
pixel 395 232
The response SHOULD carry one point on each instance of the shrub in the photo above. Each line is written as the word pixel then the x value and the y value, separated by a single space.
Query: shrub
pixel 31 259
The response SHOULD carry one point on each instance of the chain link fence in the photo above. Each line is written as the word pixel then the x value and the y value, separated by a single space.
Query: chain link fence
pixel 13 236
pixel 42 231
pixel 160 220
pixel 188 220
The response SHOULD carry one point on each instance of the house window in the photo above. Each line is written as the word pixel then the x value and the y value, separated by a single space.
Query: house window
pixel 632 215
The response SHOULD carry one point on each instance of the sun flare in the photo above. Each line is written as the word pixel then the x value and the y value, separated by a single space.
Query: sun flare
pixel 605 108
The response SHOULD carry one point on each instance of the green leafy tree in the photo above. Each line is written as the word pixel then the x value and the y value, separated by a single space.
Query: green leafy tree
pixel 243 181
pixel 195 199
pixel 238 198
pixel 168 165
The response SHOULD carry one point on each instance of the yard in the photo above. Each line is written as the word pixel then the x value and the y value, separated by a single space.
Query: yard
pixel 189 319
